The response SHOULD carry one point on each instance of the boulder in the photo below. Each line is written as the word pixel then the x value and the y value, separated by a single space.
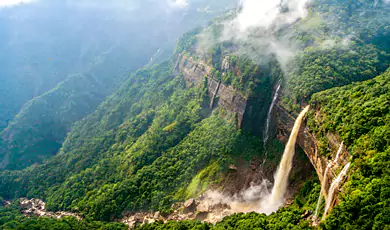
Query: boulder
pixel 189 203
pixel 232 167
pixel 189 206
pixel 203 207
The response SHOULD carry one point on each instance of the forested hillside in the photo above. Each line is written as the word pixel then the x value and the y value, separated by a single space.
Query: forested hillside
pixel 350 47
pixel 119 140
pixel 360 114
pixel 60 66
pixel 144 137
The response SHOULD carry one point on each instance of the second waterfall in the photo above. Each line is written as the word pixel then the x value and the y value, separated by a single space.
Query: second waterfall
pixel 276 198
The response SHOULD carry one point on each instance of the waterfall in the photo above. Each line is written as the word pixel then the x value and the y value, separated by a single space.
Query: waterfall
pixel 214 94
pixel 325 179
pixel 267 125
pixel 276 198
pixel 151 59
pixel 333 187
pixel 339 153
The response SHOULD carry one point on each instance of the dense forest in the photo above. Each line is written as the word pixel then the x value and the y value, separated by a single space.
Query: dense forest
pixel 10 218
pixel 360 114
pixel 127 136
pixel 58 70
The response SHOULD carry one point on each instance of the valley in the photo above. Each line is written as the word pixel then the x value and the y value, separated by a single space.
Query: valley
pixel 272 115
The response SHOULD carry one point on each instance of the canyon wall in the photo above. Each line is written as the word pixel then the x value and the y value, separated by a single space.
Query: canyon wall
pixel 221 95
pixel 310 145
pixel 251 118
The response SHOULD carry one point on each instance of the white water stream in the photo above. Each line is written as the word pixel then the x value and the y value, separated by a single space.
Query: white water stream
pixel 325 179
pixel 276 199
pixel 333 187
pixel 336 160
pixel 268 122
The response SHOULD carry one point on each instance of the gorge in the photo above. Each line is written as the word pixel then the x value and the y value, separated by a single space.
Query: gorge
pixel 251 122
pixel 277 197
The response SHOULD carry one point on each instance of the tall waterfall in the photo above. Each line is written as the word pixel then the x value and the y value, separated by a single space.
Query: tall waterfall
pixel 276 198
pixel 267 125
pixel 334 186
pixel 325 179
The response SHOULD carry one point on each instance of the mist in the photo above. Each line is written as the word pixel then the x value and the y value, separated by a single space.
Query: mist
pixel 266 29
pixel 256 27
pixel 246 200
pixel 10 3
pixel 264 13
pixel 87 47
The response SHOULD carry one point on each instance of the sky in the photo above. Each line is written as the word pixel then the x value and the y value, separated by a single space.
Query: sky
pixel 4 3
pixel 172 3
pixel 178 3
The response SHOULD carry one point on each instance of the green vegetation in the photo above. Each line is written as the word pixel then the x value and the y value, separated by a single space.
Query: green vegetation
pixel 341 42
pixel 360 114
pixel 317 69
pixel 285 218
pixel 155 141
pixel 138 151
pixel 250 78
pixel 11 218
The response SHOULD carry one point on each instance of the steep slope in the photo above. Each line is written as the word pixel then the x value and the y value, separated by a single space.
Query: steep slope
pixel 66 76
pixel 317 69
pixel 359 114
pixel 343 42
pixel 169 133
pixel 151 133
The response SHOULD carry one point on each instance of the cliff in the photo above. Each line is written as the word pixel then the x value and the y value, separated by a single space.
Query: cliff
pixel 221 95
pixel 249 111
pixel 310 145
pixel 250 115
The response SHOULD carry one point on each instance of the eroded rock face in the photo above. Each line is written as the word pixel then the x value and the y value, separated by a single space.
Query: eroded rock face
pixel 189 206
pixel 221 95
pixel 309 143
pixel 193 71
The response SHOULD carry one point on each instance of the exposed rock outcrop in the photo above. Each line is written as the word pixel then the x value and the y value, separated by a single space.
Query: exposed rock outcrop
pixel 249 112
pixel 189 206
pixel 36 207
pixel 310 145
pixel 221 95
pixel 211 207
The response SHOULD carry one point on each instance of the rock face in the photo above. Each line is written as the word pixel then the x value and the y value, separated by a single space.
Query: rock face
pixel 247 111
pixel 211 207
pixel 309 143
pixel 221 95
pixel 250 114
pixel 189 206
pixel 36 207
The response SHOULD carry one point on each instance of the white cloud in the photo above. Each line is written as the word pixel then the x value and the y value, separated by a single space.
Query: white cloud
pixel 255 24
pixel 4 3
pixel 256 13
pixel 264 13
pixel 343 43
pixel 178 3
